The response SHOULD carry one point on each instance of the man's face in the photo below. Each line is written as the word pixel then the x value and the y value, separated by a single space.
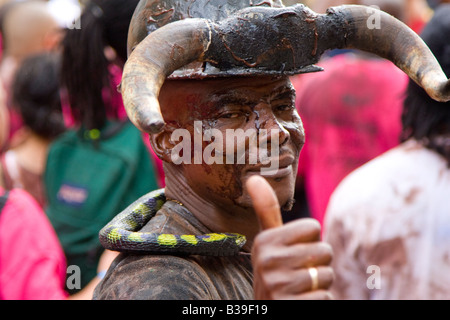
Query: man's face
pixel 238 127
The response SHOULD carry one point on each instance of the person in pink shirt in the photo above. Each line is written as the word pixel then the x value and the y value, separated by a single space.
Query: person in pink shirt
pixel 32 263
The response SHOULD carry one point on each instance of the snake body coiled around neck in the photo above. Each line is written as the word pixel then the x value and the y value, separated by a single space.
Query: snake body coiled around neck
pixel 122 234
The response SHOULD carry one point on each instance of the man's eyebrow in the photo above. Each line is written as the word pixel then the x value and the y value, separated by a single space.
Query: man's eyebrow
pixel 283 92
pixel 231 97
pixel 242 97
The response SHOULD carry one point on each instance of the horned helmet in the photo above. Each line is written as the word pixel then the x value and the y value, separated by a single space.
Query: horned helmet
pixel 197 39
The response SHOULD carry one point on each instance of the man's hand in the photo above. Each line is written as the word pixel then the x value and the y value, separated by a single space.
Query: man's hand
pixel 283 254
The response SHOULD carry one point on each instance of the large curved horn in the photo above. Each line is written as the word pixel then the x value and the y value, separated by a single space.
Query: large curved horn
pixel 156 57
pixel 391 39
pixel 270 41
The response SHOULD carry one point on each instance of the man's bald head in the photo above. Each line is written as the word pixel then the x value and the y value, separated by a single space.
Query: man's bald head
pixel 29 28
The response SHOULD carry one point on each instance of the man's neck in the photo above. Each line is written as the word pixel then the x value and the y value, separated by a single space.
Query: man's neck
pixel 215 217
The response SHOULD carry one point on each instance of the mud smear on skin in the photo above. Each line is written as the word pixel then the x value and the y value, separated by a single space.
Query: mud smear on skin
pixel 237 174
pixel 234 178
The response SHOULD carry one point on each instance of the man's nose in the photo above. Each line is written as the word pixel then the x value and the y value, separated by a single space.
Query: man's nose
pixel 270 127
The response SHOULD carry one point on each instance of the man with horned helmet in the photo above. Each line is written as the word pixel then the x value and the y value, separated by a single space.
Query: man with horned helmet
pixel 209 80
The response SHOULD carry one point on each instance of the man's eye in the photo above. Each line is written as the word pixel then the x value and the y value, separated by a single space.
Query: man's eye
pixel 285 107
pixel 231 115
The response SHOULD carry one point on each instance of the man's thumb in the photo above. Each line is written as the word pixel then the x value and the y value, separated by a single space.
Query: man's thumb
pixel 265 202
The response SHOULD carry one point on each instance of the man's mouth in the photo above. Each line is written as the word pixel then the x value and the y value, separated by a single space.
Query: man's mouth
pixel 275 168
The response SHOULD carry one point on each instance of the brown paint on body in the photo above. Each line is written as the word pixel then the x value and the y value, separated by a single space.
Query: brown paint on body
pixel 412 195
pixel 390 252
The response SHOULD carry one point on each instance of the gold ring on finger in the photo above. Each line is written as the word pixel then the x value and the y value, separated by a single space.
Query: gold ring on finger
pixel 314 274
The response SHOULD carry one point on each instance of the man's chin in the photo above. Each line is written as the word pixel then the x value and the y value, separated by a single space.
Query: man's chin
pixel 288 205
pixel 284 193
pixel 246 203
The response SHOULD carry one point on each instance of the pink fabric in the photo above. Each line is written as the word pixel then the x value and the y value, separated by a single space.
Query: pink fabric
pixel 32 262
pixel 113 98
pixel 15 123
pixel 351 113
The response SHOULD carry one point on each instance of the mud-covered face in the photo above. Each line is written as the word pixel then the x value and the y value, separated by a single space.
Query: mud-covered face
pixel 226 130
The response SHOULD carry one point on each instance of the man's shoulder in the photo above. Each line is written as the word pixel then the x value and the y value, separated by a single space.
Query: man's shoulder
pixel 385 183
pixel 407 162
pixel 159 277
pixel 175 276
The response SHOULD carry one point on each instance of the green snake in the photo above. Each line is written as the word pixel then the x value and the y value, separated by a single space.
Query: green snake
pixel 122 234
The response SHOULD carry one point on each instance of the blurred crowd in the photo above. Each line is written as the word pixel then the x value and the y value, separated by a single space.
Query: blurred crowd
pixel 70 160
pixel 374 170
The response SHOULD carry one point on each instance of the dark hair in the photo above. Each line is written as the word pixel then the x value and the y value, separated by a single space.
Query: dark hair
pixel 423 118
pixel 35 94
pixel 84 66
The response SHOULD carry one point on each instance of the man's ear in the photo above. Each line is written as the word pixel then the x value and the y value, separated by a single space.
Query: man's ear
pixel 162 144
pixel 173 145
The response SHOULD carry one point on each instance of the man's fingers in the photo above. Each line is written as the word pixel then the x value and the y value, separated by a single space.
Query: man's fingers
pixel 313 295
pixel 300 281
pixel 301 231
pixel 265 202
pixel 301 255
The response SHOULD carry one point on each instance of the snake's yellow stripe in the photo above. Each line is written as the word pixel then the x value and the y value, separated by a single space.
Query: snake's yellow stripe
pixel 189 239
pixel 167 240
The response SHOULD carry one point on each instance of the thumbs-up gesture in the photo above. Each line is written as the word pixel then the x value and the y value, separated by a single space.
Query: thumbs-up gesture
pixel 289 261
